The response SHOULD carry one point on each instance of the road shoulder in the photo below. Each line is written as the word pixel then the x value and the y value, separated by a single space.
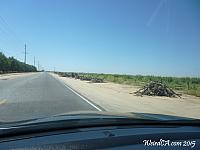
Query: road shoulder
pixel 9 76
pixel 117 98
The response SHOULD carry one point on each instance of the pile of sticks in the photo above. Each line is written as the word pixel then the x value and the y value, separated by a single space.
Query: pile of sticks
pixel 80 77
pixel 156 88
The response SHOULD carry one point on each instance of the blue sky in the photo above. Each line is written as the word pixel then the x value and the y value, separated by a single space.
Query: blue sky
pixel 148 37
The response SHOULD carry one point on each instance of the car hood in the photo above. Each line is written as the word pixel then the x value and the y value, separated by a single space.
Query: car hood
pixel 98 117
pixel 133 115
pixel 85 119
pixel 83 115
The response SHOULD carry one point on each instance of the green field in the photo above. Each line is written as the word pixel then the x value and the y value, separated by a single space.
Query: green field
pixel 186 85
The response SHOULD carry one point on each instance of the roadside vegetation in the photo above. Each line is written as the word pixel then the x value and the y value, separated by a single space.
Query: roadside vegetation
pixel 187 85
pixel 10 64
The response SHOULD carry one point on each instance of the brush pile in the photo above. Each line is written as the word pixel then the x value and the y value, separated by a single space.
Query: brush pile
pixel 155 88
pixel 80 77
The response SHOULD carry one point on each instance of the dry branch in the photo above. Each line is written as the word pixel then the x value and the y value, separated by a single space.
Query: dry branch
pixel 155 88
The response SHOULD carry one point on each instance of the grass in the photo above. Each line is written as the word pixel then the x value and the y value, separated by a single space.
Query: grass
pixel 187 85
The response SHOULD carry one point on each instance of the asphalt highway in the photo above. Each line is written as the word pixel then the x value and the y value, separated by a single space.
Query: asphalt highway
pixel 36 96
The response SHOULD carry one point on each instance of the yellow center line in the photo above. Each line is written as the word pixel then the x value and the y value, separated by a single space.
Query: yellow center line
pixel 2 101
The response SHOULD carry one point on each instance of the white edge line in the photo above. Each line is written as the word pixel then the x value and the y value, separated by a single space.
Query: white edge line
pixel 81 96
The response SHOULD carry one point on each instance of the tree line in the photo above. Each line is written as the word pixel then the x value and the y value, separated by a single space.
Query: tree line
pixel 10 64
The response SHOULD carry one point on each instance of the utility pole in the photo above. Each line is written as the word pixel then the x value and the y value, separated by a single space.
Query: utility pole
pixel 34 61
pixel 38 65
pixel 25 54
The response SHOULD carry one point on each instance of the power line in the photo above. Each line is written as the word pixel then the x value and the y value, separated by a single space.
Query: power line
pixel 11 35
pixel 9 30
pixel 8 34
pixel 5 38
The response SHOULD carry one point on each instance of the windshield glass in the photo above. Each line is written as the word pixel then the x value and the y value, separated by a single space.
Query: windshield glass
pixel 62 57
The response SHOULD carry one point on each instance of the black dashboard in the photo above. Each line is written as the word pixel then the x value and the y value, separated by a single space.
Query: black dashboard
pixel 115 137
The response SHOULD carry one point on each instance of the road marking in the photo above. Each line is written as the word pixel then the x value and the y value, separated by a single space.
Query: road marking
pixel 83 98
pixel 2 101
pixel 86 100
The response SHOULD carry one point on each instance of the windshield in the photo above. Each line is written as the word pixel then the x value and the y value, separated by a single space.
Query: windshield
pixel 61 57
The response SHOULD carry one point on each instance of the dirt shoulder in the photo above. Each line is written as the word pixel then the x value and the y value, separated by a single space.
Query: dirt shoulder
pixel 117 98
pixel 8 76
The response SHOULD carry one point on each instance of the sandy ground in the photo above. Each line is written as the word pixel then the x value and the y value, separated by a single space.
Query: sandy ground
pixel 117 98
pixel 14 75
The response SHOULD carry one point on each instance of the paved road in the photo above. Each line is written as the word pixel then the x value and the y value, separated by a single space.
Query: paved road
pixel 37 95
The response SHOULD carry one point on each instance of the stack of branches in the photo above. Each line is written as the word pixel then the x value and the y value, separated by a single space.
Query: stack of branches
pixel 156 88
pixel 97 80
